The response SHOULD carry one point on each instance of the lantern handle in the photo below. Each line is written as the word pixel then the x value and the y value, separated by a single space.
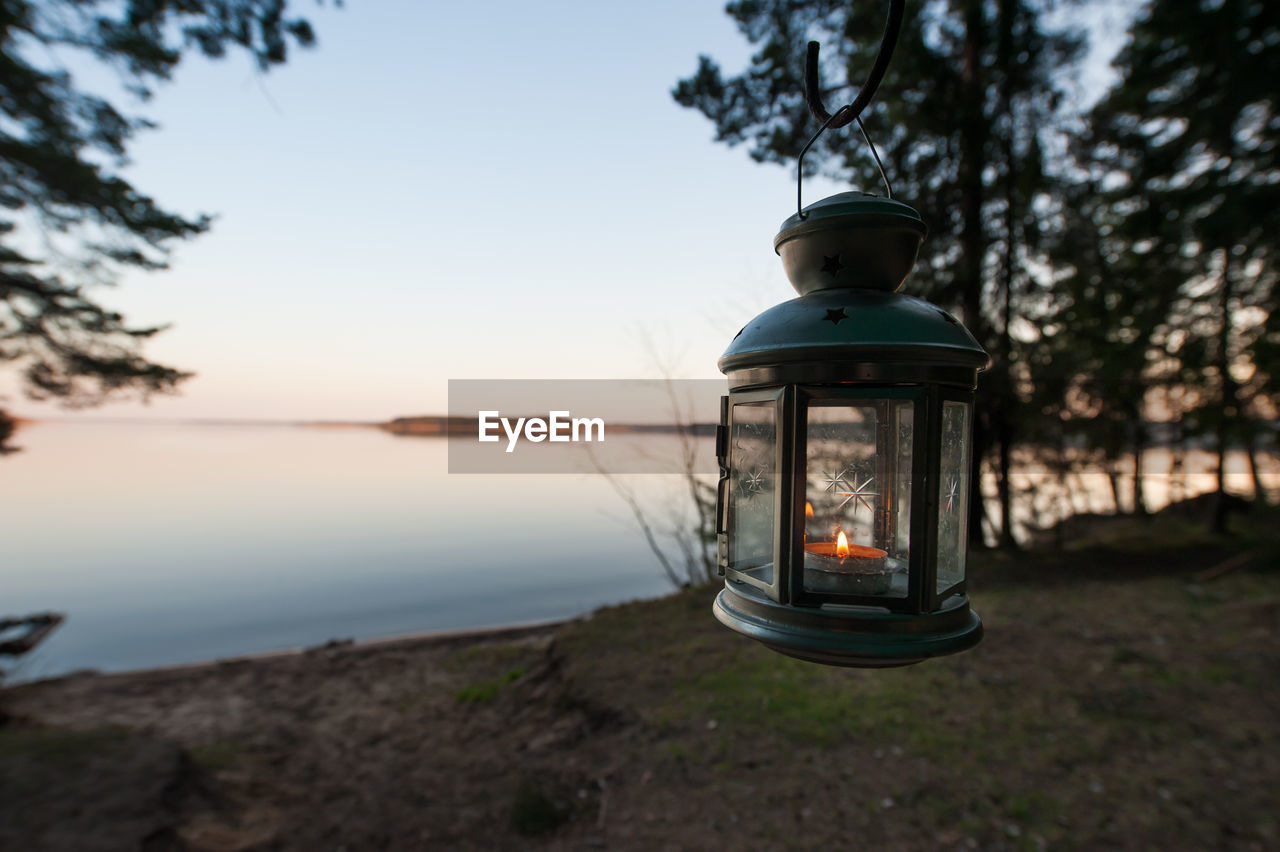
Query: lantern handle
pixel 853 110
pixel 888 189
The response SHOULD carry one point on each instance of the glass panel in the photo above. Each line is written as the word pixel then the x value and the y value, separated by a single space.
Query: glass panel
pixel 858 498
pixel 953 495
pixel 906 414
pixel 752 456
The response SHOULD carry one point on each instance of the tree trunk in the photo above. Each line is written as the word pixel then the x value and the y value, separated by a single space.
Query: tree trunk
pixel 1007 540
pixel 1139 491
pixel 974 132
pixel 1260 495
pixel 977 502
pixel 1177 491
pixel 1218 523
pixel 6 430
pixel 1229 390
pixel 1006 426
pixel 1177 447
pixel 1113 479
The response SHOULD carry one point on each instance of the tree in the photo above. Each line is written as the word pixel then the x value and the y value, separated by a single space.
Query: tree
pixel 964 119
pixel 1094 370
pixel 68 220
pixel 690 525
pixel 7 427
pixel 1184 154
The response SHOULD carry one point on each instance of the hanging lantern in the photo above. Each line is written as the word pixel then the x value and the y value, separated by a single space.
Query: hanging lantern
pixel 844 450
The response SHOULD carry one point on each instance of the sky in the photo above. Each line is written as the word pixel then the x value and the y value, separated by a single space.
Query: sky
pixel 481 190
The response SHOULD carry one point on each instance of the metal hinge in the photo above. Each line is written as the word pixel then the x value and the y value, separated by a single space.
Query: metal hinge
pixel 722 487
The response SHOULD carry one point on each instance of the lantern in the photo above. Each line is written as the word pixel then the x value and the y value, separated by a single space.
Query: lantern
pixel 844 451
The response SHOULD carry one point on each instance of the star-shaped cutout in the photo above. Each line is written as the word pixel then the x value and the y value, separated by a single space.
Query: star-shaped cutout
pixel 834 315
pixel 834 480
pixel 752 483
pixel 860 494
pixel 832 265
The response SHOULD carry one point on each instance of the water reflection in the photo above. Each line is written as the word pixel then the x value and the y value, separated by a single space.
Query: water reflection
pixel 170 543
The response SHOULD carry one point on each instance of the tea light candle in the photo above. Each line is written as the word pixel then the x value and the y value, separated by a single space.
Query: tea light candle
pixel 838 566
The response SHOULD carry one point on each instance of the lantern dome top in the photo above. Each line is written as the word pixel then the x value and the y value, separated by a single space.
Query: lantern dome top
pixel 851 239
pixel 889 334
pixel 845 204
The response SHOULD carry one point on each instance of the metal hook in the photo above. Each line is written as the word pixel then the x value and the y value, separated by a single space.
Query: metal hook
pixel 812 93
pixel 851 111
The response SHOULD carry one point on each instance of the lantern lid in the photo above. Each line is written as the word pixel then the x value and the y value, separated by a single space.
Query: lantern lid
pixel 853 326
pixel 851 239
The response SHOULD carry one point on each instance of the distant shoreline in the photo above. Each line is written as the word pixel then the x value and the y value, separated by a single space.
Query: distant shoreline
pixel 410 639
pixel 427 425
pixel 416 425
pixel 201 421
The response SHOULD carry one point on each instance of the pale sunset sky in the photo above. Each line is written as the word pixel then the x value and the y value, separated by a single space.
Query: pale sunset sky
pixel 455 191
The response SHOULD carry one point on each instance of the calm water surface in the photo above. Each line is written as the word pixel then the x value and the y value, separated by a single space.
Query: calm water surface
pixel 167 544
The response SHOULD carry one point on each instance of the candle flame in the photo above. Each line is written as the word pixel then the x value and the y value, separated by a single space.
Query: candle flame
pixel 842 545
pixel 808 509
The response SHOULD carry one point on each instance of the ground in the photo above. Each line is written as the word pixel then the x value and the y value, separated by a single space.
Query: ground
pixel 1122 698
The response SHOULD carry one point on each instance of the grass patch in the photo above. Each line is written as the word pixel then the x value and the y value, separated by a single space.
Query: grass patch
pixel 216 756
pixel 1033 807
pixel 57 780
pixel 55 747
pixel 493 657
pixel 781 695
pixel 481 693
pixel 763 694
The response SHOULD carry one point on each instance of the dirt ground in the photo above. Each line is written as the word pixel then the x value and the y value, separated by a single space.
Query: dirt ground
pixel 1116 702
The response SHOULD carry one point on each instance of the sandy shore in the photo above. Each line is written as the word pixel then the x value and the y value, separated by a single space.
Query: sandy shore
pixel 416 639
pixel 1136 711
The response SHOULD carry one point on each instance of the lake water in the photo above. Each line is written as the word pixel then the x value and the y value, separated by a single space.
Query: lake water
pixel 173 543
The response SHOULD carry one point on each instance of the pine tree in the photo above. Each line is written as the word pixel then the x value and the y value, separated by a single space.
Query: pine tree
pixel 68 221
pixel 1184 152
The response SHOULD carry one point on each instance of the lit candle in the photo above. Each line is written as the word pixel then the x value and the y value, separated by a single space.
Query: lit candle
pixel 838 566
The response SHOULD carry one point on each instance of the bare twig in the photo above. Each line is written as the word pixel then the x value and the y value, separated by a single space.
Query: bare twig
pixel 633 503
pixel 1240 560
pixel 604 803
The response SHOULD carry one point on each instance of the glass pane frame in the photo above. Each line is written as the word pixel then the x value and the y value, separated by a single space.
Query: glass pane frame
pixel 939 395
pixel 783 400
pixel 924 458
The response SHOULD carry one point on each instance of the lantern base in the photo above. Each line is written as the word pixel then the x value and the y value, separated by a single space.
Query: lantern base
pixel 865 638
